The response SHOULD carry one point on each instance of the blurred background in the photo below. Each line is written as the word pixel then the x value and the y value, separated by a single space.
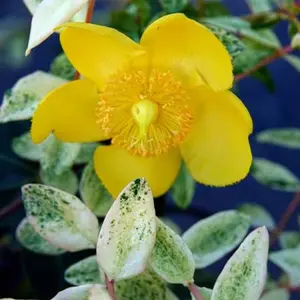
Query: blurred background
pixel 274 107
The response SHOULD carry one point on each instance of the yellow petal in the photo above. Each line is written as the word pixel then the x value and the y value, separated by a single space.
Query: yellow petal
pixel 69 111
pixel 189 49
pixel 97 51
pixel 116 167
pixel 217 150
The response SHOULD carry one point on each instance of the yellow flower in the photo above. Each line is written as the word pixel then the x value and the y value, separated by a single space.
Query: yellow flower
pixel 159 102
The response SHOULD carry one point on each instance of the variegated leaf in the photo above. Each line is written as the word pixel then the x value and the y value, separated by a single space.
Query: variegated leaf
pixel 85 271
pixel 84 292
pixel 213 237
pixel 66 181
pixel 32 241
pixel 60 218
pixel 20 102
pixel 93 192
pixel 128 232
pixel 48 15
pixel 244 275
pixel 288 260
pixel 276 294
pixel 171 258
pixel 57 156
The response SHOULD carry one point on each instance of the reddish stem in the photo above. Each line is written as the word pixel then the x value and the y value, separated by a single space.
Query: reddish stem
pixel 195 291
pixel 88 19
pixel 110 288
pixel 285 218
pixel 279 53
pixel 7 210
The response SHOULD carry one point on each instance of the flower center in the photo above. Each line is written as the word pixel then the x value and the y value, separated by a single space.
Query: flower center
pixel 146 113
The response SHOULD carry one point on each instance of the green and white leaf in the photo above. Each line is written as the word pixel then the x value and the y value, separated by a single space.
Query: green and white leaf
pixel 288 260
pixel 20 102
pixel 236 24
pixel 173 6
pixel 128 232
pixel 213 237
pixel 183 189
pixel 62 67
pixel 171 258
pixel 85 271
pixel 32 241
pixel 170 223
pixel 276 294
pixel 67 181
pixel 84 292
pixel 294 61
pixel 60 218
pixel 48 15
pixel 58 156
pixel 259 6
pixel 274 175
pixel 289 239
pixel 86 153
pixel 285 137
pixel 93 192
pixel 25 148
pixel 204 292
pixel 244 274
pixel 146 286
pixel 258 214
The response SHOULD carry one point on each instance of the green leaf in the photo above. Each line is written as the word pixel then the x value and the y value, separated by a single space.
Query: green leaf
pixel 264 76
pixel 215 9
pixel 258 6
pixel 173 6
pixel 66 181
pixel 60 218
pixel 274 175
pixel 288 260
pixel 244 274
pixel 146 286
pixel 276 294
pixel 127 235
pixel 239 26
pixel 294 61
pixel 183 189
pixel 233 45
pixel 25 148
pixel 285 137
pixel 93 192
pixel 32 241
pixel 84 292
pixel 213 237
pixel 204 292
pixel 62 67
pixel 85 271
pixel 171 258
pixel 20 102
pixel 258 214
pixel 289 239
pixel 86 153
pixel 58 156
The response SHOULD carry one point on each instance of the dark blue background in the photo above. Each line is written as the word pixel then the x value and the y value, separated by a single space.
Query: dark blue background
pixel 281 109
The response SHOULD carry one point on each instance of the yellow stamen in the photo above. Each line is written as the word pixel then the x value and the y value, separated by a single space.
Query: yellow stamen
pixel 144 112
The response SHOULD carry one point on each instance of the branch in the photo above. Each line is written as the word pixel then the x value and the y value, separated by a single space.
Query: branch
pixel 195 291
pixel 7 210
pixel 110 287
pixel 278 54
pixel 285 218
pixel 88 19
